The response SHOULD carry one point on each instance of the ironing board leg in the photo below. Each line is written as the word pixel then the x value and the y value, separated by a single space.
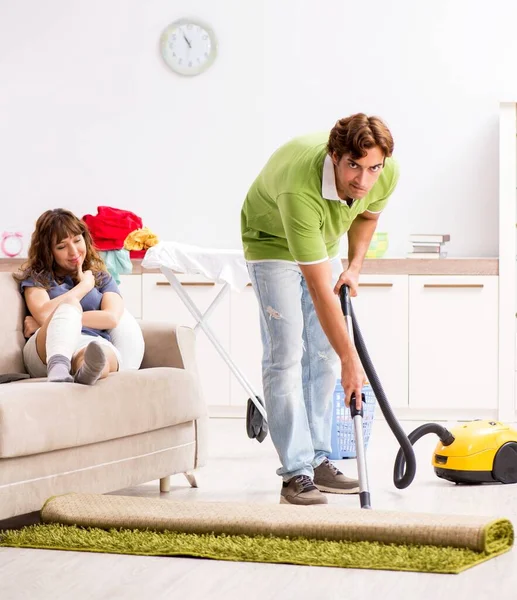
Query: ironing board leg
pixel 201 322
pixel 165 484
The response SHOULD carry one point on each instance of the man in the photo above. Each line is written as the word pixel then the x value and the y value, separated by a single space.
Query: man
pixel 312 191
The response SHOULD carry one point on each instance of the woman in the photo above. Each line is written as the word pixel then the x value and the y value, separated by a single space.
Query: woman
pixel 73 303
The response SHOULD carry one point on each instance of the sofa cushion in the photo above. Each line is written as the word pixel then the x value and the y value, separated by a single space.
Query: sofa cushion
pixel 11 325
pixel 38 416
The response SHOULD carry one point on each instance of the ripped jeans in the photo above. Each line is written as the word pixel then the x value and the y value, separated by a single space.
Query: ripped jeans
pixel 299 366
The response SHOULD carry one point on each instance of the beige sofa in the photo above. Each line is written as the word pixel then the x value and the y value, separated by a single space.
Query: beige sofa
pixel 133 427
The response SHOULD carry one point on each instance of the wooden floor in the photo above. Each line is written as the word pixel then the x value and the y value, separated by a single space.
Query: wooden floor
pixel 240 469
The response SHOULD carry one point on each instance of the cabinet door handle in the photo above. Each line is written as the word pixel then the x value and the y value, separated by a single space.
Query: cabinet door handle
pixel 453 285
pixel 192 283
pixel 375 285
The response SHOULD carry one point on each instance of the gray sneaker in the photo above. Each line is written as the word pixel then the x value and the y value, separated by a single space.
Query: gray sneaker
pixel 328 478
pixel 301 490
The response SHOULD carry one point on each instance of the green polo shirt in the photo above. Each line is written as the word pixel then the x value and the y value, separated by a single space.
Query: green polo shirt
pixel 292 210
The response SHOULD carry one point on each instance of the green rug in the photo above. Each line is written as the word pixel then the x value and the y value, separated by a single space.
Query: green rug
pixel 276 533
pixel 298 551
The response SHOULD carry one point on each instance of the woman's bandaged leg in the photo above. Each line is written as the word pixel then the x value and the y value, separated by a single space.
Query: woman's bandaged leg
pixel 128 340
pixel 63 333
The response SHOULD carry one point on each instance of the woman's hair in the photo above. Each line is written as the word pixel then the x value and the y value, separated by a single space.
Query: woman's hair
pixel 355 135
pixel 52 227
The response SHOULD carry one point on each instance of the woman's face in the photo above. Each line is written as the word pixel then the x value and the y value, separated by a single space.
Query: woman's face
pixel 69 253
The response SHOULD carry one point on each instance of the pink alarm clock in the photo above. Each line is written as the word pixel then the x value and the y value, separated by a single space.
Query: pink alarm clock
pixel 11 243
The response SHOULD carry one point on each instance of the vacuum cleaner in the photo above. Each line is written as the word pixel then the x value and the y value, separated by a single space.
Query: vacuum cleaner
pixel 472 453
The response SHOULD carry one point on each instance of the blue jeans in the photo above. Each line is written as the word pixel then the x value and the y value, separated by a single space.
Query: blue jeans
pixel 299 366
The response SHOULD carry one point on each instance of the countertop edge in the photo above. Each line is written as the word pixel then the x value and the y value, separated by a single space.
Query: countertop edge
pixel 377 266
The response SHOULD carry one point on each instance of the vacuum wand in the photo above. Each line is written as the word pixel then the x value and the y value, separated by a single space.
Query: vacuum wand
pixel 357 414
pixel 405 463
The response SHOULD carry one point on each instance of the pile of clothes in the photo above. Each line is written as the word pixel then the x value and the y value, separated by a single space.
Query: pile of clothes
pixel 119 236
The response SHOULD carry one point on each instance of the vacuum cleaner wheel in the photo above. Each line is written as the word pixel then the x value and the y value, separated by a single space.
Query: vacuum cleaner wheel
pixel 505 463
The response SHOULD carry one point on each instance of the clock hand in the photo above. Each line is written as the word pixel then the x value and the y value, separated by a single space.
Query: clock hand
pixel 185 38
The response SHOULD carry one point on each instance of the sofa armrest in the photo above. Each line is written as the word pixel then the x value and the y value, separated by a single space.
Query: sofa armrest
pixel 168 345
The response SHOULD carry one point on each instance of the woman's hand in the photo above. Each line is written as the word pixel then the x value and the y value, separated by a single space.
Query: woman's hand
pixel 30 326
pixel 85 279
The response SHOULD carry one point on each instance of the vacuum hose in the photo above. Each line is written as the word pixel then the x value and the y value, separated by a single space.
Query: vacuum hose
pixel 405 463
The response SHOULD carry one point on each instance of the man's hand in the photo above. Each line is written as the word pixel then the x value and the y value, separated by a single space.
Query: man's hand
pixel 353 379
pixel 30 326
pixel 350 277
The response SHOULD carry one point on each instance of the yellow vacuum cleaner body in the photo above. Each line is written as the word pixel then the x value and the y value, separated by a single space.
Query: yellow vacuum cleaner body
pixel 482 452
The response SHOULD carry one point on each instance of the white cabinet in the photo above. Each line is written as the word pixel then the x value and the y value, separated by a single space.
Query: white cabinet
pixel 245 344
pixel 453 342
pixel 433 339
pixel 161 303
pixel 507 258
pixel 130 287
pixel 381 308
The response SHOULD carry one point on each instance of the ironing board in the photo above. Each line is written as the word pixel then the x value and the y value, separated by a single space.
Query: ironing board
pixel 227 267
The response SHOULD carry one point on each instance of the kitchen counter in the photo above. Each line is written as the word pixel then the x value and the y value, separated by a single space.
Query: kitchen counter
pixel 377 266
pixel 430 266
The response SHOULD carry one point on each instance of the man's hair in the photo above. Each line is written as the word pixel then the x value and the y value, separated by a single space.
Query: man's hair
pixel 356 134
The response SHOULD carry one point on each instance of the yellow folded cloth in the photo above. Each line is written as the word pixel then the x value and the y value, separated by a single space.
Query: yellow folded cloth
pixel 141 239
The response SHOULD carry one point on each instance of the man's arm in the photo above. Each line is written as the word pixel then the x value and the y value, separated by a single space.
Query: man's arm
pixel 359 237
pixel 319 281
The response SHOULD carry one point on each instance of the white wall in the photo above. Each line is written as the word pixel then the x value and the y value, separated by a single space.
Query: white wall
pixel 90 114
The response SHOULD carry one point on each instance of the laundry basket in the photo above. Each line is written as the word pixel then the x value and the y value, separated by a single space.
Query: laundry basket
pixel 343 439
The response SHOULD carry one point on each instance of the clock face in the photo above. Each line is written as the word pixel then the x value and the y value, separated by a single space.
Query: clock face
pixel 188 47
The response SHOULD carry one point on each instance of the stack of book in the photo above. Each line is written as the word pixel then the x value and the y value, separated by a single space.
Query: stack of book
pixel 428 245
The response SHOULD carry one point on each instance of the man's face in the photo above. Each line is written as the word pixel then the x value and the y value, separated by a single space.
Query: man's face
pixel 356 177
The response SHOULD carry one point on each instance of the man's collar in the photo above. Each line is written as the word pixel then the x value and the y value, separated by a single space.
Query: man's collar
pixel 328 181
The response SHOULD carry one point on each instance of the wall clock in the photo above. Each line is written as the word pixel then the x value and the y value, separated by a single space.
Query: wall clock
pixel 188 46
